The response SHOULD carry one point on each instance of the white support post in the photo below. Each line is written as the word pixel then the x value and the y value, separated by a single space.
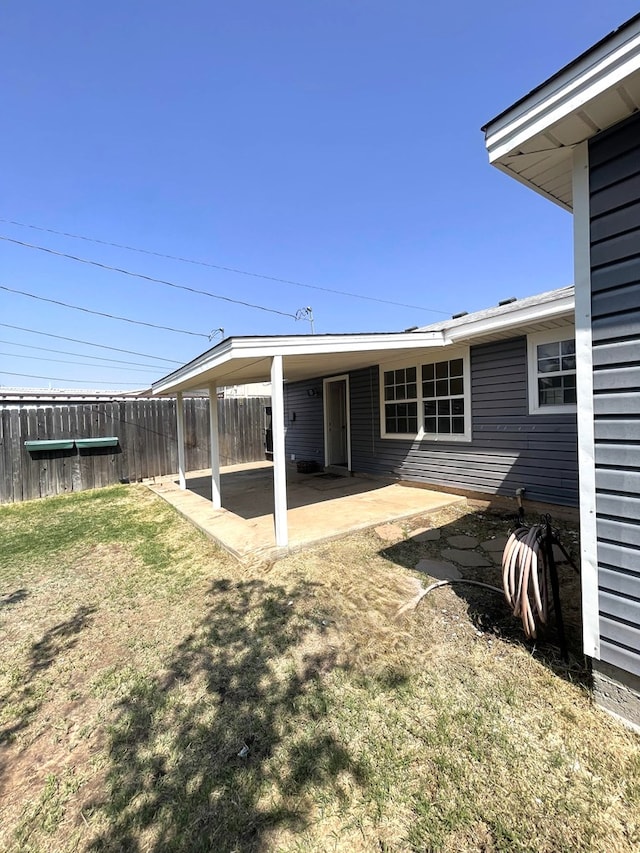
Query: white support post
pixel 279 458
pixel 216 497
pixel 180 416
pixel 586 439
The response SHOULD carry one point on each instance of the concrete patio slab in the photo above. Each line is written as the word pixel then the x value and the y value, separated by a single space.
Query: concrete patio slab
pixel 319 508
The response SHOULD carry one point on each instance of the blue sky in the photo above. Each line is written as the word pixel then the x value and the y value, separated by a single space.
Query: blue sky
pixel 332 143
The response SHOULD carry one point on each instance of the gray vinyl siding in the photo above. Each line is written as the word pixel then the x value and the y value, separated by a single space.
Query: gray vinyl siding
pixel 304 421
pixel 509 448
pixel 614 178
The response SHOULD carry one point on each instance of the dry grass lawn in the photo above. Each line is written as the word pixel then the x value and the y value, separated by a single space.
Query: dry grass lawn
pixel 157 696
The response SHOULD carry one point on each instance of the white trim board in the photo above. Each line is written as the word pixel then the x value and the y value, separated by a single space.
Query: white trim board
pixel 586 440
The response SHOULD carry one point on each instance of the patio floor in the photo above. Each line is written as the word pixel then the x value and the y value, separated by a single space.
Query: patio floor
pixel 320 506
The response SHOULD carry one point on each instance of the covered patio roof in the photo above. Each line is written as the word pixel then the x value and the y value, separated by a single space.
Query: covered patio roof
pixel 248 359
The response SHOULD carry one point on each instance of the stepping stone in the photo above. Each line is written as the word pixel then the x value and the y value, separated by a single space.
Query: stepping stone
pixel 469 559
pixel 390 532
pixel 438 569
pixel 496 544
pixel 463 541
pixel 424 534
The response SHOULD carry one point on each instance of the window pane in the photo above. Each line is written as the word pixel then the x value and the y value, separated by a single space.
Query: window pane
pixel 548 365
pixel 444 407
pixel 550 391
pixel 455 367
pixel 457 407
pixel 400 392
pixel 570 396
pixel 569 381
pixel 551 350
pixel 442 388
pixel 444 425
pixel 412 391
pixel 388 377
pixel 568 347
pixel 569 362
pixel 411 374
pixel 457 426
pixel 429 424
pixel 428 371
pixel 442 370
pixel 428 389
pixel 413 426
pixel 456 386
pixel 429 407
pixel 389 393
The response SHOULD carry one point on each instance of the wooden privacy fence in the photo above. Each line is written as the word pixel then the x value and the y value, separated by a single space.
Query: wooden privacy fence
pixel 147 445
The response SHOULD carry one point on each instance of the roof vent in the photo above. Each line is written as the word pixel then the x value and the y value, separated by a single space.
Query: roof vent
pixel 507 301
pixel 411 329
pixel 460 314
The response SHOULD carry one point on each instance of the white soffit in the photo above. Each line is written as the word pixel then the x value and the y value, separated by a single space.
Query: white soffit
pixel 533 140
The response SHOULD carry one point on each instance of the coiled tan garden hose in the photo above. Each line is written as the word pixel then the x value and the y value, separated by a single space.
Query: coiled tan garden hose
pixel 524 576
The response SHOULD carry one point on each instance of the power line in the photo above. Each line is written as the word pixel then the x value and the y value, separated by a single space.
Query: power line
pixel 90 343
pixel 147 277
pixel 66 361
pixel 60 379
pixel 220 267
pixel 102 313
pixel 80 355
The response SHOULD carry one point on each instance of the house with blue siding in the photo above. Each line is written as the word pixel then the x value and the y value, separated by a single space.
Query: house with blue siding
pixel 575 139
pixel 483 404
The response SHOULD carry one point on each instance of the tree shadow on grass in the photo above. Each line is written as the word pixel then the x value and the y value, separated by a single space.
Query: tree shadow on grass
pixel 15 597
pixel 30 691
pixel 488 611
pixel 226 745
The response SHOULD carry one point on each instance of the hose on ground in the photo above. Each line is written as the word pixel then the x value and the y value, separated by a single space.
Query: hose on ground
pixel 414 602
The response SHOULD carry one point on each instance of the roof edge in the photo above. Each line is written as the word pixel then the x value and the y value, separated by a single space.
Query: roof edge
pixel 565 68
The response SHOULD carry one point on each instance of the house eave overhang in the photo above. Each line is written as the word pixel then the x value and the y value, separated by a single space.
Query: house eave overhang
pixel 248 359
pixel 533 140
pixel 517 320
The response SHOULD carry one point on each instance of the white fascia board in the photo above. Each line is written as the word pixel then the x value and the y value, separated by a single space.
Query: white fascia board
pixel 599 71
pixel 516 319
pixel 257 348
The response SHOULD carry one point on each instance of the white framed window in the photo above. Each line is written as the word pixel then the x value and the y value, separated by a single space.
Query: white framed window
pixel 428 399
pixel 551 358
